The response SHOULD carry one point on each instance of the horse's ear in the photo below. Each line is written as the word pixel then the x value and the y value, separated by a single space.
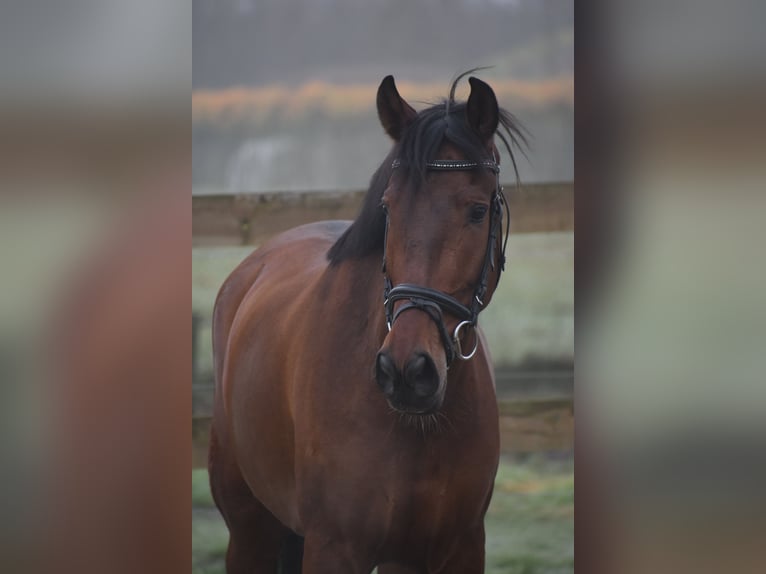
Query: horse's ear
pixel 481 109
pixel 395 114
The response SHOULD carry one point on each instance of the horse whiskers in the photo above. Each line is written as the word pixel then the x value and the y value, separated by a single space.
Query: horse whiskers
pixel 425 424
pixel 434 423
pixel 431 423
pixel 445 418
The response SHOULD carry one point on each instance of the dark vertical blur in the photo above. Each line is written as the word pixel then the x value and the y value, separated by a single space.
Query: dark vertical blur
pixel 94 267
pixel 671 320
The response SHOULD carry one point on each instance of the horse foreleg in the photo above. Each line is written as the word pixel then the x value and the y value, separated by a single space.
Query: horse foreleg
pixel 467 556
pixel 322 555
pixel 396 569
pixel 255 536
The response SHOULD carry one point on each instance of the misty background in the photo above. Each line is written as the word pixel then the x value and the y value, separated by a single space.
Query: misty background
pixel 284 92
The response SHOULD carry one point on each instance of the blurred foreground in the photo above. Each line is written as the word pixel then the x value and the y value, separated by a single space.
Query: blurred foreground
pixel 671 319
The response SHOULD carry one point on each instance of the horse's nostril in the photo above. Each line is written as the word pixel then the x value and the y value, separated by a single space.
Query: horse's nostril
pixel 421 375
pixel 415 367
pixel 386 373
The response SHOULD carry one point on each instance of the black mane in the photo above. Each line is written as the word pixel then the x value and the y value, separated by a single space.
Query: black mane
pixel 445 121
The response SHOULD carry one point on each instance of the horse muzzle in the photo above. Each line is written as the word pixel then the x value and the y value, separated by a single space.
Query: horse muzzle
pixel 415 388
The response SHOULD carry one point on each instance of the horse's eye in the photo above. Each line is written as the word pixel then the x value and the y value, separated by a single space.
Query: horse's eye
pixel 478 212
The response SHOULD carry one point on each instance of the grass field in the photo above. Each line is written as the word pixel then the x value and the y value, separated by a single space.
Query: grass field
pixel 530 523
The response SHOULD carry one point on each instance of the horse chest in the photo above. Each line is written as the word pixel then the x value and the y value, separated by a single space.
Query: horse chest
pixel 424 496
pixel 438 485
pixel 421 513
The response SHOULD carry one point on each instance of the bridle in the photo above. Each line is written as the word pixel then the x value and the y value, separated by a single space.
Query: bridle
pixel 434 302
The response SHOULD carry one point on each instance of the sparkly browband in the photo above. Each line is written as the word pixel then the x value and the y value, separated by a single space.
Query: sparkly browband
pixel 456 165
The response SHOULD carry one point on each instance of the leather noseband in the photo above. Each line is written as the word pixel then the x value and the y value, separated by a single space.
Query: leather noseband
pixel 436 303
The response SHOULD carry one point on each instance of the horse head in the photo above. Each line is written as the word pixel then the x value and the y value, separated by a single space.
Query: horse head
pixel 443 245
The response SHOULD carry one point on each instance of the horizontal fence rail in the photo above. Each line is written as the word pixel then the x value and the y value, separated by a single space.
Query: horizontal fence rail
pixel 251 218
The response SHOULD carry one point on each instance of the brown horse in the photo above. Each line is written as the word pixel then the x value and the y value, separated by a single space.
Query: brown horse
pixel 355 420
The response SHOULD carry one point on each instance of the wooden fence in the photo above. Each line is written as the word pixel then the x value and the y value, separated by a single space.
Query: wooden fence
pixel 249 218
pixel 536 407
